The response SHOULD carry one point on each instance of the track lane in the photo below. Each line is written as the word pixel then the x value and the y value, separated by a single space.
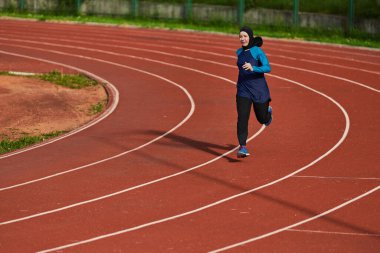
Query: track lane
pixel 163 34
pixel 115 128
pixel 356 68
pixel 371 79
pixel 371 56
pixel 33 198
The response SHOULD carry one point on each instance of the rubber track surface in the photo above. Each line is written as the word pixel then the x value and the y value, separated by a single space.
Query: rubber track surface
pixel 158 171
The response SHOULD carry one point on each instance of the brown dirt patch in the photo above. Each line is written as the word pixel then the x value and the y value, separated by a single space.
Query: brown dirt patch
pixel 33 107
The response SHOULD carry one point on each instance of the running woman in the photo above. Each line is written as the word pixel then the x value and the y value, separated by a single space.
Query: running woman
pixel 252 86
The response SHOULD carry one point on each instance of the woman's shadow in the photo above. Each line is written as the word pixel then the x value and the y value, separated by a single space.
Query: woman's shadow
pixel 200 145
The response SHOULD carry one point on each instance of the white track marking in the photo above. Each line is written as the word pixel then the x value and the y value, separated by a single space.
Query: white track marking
pixel 124 190
pixel 187 49
pixel 108 40
pixel 233 196
pixel 298 223
pixel 285 66
pixel 331 232
pixel 296 43
pixel 223 46
pixel 326 213
pixel 88 201
pixel 339 66
pixel 313 55
pixel 192 58
pixel 331 76
pixel 131 188
pixel 337 46
pixel 123 153
pixel 296 47
pixel 275 55
pixel 201 36
pixel 111 88
pixel 344 178
pixel 59 52
pixel 17 73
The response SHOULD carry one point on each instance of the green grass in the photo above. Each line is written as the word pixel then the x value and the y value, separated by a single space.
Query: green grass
pixel 97 108
pixel 7 145
pixel 73 81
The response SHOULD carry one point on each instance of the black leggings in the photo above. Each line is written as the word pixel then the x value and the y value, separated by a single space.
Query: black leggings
pixel 243 106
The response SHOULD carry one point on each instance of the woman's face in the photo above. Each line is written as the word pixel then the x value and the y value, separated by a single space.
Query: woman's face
pixel 244 38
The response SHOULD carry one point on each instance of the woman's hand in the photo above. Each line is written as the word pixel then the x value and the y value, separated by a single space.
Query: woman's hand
pixel 247 66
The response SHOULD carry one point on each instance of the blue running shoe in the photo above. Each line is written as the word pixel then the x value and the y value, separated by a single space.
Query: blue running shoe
pixel 243 152
pixel 271 116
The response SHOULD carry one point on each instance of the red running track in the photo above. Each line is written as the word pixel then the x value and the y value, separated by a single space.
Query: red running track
pixel 158 171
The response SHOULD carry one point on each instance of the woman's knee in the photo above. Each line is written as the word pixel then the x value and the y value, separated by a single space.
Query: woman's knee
pixel 261 119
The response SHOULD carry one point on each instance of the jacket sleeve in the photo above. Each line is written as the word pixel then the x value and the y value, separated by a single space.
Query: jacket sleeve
pixel 259 54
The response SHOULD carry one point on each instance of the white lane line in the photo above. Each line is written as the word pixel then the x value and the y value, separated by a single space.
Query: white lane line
pixel 123 153
pixel 111 53
pixel 338 66
pixel 292 52
pixel 296 224
pixel 343 178
pixel 272 42
pixel 114 95
pixel 108 41
pixel 223 46
pixel 233 196
pixel 88 201
pixel 18 73
pixel 331 57
pixel 331 76
pixel 202 36
pixel 131 188
pixel 289 67
pixel 128 189
pixel 331 232
pixel 191 58
pixel 369 53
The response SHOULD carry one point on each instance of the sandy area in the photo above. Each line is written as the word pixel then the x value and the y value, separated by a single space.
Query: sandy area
pixel 29 106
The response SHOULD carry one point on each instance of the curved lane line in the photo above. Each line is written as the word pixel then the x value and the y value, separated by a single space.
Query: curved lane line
pixel 114 93
pixel 187 49
pixel 126 152
pixel 128 189
pixel 192 58
pixel 369 51
pixel 307 231
pixel 298 223
pixel 200 36
pixel 228 198
pixel 95 199
pixel 123 153
pixel 322 214
pixel 131 188
pixel 290 67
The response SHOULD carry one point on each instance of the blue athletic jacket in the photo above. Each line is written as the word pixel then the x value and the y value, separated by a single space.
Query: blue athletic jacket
pixel 252 84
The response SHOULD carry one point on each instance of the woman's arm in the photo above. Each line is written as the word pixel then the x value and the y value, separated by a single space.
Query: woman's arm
pixel 259 54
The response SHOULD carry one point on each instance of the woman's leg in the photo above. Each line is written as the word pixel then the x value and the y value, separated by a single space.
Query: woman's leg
pixel 243 106
pixel 262 113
